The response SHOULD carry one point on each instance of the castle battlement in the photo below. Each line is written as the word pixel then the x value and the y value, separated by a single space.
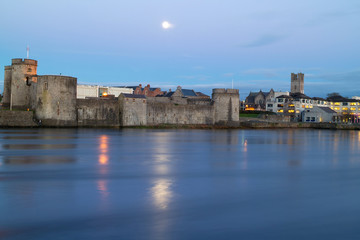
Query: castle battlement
pixel 17 61
pixel 7 68
pixel 232 91
pixel 219 90
pixel 225 91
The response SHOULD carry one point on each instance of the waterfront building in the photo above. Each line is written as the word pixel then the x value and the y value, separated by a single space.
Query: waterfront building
pixel 320 114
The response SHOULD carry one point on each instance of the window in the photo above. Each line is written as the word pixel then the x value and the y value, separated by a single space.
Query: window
pixel 308 119
pixel 353 108
pixel 280 105
pixel 353 103
pixel 270 105
pixel 344 103
pixel 45 85
pixel 344 108
pixel 28 81
pixel 313 119
pixel 280 100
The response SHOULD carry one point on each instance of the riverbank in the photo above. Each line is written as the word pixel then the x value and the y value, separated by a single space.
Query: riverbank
pixel 24 119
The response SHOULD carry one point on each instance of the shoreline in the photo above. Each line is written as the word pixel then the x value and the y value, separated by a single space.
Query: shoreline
pixel 240 125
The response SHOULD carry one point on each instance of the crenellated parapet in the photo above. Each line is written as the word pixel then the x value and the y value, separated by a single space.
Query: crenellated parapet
pixel 17 61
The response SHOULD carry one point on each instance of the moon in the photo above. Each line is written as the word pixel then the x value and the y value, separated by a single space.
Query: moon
pixel 166 25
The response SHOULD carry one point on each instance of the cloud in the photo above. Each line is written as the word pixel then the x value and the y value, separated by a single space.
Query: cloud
pixel 333 16
pixel 350 77
pixel 263 41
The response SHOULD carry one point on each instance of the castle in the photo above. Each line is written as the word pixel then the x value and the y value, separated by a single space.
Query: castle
pixel 53 101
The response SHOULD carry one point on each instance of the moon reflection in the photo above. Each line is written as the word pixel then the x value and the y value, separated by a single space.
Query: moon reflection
pixel 161 192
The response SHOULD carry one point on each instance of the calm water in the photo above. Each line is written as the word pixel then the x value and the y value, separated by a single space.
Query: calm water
pixel 179 184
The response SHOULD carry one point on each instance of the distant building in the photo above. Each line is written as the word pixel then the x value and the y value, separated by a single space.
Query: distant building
pixel 91 91
pixel 257 100
pixel 297 83
pixel 180 92
pixel 202 95
pixel 271 101
pixel 320 114
pixel 147 90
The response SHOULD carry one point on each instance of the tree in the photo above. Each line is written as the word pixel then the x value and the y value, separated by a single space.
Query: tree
pixel 333 94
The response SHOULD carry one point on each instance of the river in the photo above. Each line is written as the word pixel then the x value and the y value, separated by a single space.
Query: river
pixel 179 184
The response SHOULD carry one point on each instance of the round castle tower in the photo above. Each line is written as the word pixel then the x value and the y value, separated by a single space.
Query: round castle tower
pixel 54 100
pixel 226 104
pixel 17 81
pixel 7 87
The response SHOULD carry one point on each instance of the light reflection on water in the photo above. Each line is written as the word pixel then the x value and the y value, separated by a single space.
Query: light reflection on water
pixel 179 184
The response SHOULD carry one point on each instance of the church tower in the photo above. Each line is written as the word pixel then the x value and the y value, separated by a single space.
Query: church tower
pixel 297 83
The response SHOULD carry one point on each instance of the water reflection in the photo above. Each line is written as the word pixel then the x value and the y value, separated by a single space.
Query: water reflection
pixel 37 159
pixel 103 161
pixel 37 146
pixel 35 137
pixel 103 150
pixel 161 192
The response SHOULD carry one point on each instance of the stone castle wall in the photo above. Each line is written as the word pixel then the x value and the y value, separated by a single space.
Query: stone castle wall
pixel 17 119
pixel 97 112
pixel 161 111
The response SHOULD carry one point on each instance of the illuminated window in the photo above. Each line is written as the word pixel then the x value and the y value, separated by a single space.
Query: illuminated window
pixel 297 111
pixel 353 103
pixel 337 104
pixel 280 111
pixel 336 108
pixel 353 108
pixel 291 105
pixel 344 108
pixel 303 106
pixel 291 111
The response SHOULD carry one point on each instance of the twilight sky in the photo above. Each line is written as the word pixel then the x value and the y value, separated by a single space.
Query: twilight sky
pixel 255 43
